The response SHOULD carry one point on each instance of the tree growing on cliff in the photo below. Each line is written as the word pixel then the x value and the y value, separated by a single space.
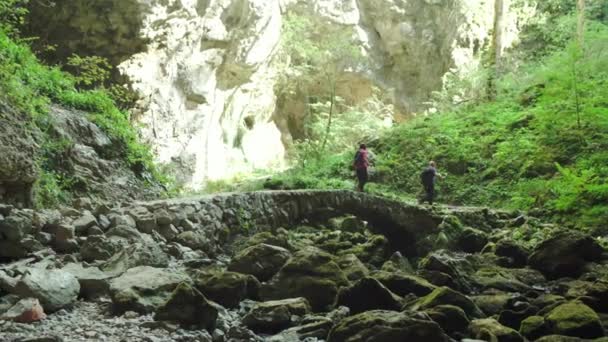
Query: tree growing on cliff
pixel 315 61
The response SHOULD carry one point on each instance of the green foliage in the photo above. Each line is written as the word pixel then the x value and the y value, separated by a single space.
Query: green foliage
pixel 13 14
pixel 50 190
pixel 541 145
pixel 90 71
pixel 31 86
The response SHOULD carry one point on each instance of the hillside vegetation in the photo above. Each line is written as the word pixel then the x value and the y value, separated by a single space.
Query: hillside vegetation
pixel 540 145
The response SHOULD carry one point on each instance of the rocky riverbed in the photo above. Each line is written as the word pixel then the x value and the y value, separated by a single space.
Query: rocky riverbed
pixel 295 266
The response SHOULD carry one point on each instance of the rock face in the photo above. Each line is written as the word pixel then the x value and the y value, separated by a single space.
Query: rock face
pixel 206 71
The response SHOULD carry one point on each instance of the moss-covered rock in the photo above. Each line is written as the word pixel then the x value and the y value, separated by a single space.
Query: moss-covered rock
pixel 513 254
pixel 488 329
pixel 374 251
pixel 397 263
pixel 262 261
pixel 386 326
pixel 368 294
pixel 352 267
pixel 227 288
pixel 533 327
pixel 445 295
pixel 565 254
pixel 309 273
pixel 189 307
pixel 450 318
pixel 274 316
pixel 492 303
pixel 471 240
pixel 404 284
pixel 574 319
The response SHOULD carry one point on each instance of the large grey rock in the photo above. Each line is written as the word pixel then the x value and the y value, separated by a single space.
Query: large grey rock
pixel 143 253
pixel 227 288
pixel 93 281
pixel 99 247
pixel 16 226
pixel 55 289
pixel 144 289
pixel 84 222
pixel 262 261
pixel 488 329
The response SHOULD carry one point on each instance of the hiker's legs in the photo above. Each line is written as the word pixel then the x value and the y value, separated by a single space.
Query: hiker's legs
pixel 362 178
pixel 430 193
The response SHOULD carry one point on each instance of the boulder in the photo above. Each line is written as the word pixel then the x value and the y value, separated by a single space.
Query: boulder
pixel 84 222
pixel 471 240
pixel 143 289
pixel 94 282
pixel 513 254
pixel 27 310
pixel 574 319
pixel 227 288
pixel 565 254
pixel 398 263
pixel 404 284
pixel 368 294
pixel 195 240
pixel 99 247
pixel 450 318
pixel 316 330
pixel 309 273
pixel 16 226
pixel 488 329
pixel 55 289
pixel 352 267
pixel 188 307
pixel 274 316
pixel 352 224
pixel 533 327
pixel 143 253
pixel 262 261
pixel 279 239
pixel 384 326
pixel 374 251
pixel 445 295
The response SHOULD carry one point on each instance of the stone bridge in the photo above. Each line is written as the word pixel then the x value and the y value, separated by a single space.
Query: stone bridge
pixel 404 224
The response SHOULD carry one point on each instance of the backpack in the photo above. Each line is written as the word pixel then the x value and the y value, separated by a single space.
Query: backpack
pixel 358 157
pixel 426 176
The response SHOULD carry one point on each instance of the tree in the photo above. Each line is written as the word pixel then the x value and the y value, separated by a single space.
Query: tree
pixel 317 60
pixel 497 46
pixel 580 29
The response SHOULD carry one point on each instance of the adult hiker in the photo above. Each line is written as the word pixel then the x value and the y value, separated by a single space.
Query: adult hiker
pixel 361 164
pixel 427 177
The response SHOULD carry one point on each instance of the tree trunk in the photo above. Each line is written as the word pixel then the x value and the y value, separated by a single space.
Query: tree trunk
pixel 497 46
pixel 580 29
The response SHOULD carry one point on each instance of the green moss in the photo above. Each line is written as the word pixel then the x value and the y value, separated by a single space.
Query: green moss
pixel 533 327
pixel 575 319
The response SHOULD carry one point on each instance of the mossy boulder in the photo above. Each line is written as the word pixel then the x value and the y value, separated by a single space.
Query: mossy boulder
pixel 187 306
pixel 274 316
pixel 488 329
pixel 397 263
pixel 309 273
pixel 445 295
pixel 450 318
pixel 471 240
pixel 492 303
pixel 386 326
pixel 227 288
pixel 574 319
pixel 512 254
pixel 352 267
pixel 404 284
pixel 275 239
pixel 565 254
pixel 262 261
pixel 374 251
pixel 368 294
pixel 533 327
pixel 500 279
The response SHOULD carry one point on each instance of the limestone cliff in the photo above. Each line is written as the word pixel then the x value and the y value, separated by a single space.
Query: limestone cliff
pixel 207 74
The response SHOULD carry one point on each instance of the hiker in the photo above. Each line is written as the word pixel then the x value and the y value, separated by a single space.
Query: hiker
pixel 427 177
pixel 361 164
